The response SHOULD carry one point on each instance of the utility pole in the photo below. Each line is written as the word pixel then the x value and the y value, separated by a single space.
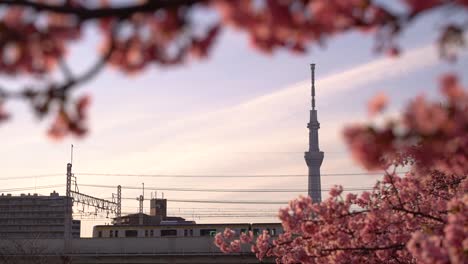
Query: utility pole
pixel 119 204
pixel 140 208
pixel 68 210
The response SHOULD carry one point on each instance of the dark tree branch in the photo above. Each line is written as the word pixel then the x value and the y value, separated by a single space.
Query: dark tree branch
pixel 84 13
pixel 437 219
pixel 65 69
pixel 96 68
pixel 396 246
pixel 71 81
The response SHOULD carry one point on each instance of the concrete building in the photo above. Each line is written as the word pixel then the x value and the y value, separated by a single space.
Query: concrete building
pixel 158 208
pixel 34 216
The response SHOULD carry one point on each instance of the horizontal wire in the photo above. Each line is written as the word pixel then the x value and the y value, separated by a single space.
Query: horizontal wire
pixel 216 190
pixel 31 188
pixel 214 208
pixel 228 176
pixel 226 215
pixel 195 218
pixel 173 211
pixel 194 175
pixel 32 176
pixel 104 219
pixel 219 201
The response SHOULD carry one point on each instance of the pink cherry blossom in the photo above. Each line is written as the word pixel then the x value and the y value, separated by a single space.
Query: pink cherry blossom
pixel 377 104
pixel 415 217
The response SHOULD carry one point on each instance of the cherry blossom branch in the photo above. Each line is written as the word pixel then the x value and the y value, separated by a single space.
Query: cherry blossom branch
pixel 354 213
pixel 99 65
pixel 396 246
pixel 438 219
pixel 71 116
pixel 58 91
pixel 404 218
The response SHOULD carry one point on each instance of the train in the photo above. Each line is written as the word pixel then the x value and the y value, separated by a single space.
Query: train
pixel 181 230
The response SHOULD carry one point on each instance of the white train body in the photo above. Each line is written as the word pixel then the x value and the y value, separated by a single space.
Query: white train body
pixel 180 230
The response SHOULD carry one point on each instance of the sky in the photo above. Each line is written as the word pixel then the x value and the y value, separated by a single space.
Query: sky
pixel 237 113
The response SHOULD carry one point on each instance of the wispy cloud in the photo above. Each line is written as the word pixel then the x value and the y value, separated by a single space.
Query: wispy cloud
pixel 264 135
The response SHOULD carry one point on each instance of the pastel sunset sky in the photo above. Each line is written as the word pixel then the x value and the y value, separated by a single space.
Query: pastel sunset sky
pixel 239 112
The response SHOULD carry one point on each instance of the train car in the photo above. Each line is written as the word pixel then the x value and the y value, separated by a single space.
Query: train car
pixel 273 228
pixel 181 230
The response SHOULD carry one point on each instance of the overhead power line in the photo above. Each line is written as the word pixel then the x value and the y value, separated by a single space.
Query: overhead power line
pixel 31 188
pixel 32 176
pixel 50 175
pixel 226 176
pixel 180 189
pixel 217 190
pixel 228 214
pixel 104 219
pixel 211 208
pixel 220 201
pixel 188 217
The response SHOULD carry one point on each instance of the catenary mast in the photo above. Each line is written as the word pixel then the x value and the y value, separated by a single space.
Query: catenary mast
pixel 314 156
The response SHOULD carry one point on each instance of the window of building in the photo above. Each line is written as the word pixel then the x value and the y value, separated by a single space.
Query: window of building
pixel 169 232
pixel 146 233
pixel 111 233
pixel 99 234
pixel 131 233
pixel 256 231
pixel 185 232
pixel 191 232
pixel 208 232
pixel 116 233
pixel 151 232
pixel 273 232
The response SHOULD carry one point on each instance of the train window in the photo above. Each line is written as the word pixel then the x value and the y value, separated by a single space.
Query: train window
pixel 99 234
pixel 208 232
pixel 169 232
pixel 152 232
pixel 111 233
pixel 131 233
pixel 146 233
pixel 116 233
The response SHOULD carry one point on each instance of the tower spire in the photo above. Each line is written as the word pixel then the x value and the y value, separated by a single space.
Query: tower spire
pixel 312 68
pixel 314 156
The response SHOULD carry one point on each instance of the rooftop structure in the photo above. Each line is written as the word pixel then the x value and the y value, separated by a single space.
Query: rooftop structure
pixel 157 216
pixel 144 219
